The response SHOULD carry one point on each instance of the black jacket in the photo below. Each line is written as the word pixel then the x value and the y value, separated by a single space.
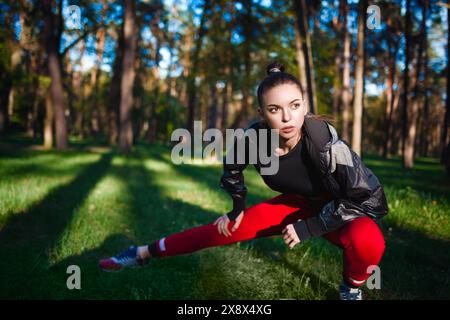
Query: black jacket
pixel 355 190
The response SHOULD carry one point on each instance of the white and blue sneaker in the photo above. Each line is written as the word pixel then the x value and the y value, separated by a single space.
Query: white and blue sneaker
pixel 349 293
pixel 128 258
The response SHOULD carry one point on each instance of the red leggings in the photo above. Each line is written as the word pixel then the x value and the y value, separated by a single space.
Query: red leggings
pixel 360 239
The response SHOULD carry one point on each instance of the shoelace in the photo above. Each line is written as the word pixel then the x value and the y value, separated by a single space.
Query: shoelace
pixel 353 294
pixel 125 258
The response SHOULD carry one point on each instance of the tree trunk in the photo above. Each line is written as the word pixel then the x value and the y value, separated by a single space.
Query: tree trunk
pixel 54 70
pixel 114 96
pixel 337 83
pixel 245 105
pixel 32 115
pixel 391 103
pixel 29 64
pixel 311 70
pixel 393 134
pixel 187 47
pixel 83 112
pixel 95 75
pixel 213 107
pixel 359 81
pixel 192 87
pixel 152 119
pixel 390 80
pixel 346 94
pixel 301 61
pixel 7 70
pixel 445 137
pixel 305 37
pixel 48 122
pixel 227 97
pixel 406 81
pixel 58 102
pixel 128 75
pixel 4 100
pixel 425 127
pixel 227 91
pixel 16 59
pixel 242 115
pixel 137 118
pixel 414 111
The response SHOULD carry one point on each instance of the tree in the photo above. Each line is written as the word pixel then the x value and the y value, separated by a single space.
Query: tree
pixel 100 36
pixel 192 90
pixel 414 110
pixel 114 89
pixel 52 44
pixel 128 75
pixel 228 70
pixel 393 33
pixel 305 56
pixel 248 23
pixel 359 80
pixel 445 137
pixel 8 65
pixel 406 80
pixel 346 90
pixel 338 26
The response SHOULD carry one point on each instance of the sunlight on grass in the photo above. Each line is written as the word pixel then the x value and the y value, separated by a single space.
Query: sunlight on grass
pixel 184 188
pixel 419 211
pixel 102 213
pixel 26 181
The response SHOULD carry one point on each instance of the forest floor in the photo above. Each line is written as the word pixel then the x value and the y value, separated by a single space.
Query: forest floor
pixel 75 207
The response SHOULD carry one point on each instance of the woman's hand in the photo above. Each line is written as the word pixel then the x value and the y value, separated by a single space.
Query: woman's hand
pixel 222 224
pixel 290 236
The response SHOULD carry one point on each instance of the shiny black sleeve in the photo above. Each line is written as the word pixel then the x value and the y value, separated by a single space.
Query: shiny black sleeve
pixel 232 179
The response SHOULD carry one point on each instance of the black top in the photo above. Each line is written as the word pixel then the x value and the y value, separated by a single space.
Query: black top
pixel 293 175
pixel 297 174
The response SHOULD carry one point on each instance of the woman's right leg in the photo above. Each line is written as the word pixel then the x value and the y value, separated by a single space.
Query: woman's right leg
pixel 265 219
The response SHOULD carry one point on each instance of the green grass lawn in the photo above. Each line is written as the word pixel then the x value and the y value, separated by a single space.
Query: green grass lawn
pixel 72 208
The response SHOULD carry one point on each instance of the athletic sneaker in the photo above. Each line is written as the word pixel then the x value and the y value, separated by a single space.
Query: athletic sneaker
pixel 128 258
pixel 349 293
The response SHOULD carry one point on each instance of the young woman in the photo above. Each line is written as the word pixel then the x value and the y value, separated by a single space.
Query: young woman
pixel 325 189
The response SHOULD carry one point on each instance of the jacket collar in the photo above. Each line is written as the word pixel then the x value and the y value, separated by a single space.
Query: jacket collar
pixel 317 150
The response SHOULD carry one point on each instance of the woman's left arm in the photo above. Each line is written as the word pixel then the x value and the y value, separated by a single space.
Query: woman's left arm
pixel 361 194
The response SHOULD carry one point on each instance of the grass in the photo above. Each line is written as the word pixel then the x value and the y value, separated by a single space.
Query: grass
pixel 71 208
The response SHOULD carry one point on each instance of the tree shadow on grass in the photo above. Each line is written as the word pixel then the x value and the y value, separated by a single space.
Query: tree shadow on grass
pixel 161 279
pixel 414 265
pixel 154 215
pixel 27 237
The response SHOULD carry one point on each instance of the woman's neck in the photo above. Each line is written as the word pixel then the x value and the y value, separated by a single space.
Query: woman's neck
pixel 287 144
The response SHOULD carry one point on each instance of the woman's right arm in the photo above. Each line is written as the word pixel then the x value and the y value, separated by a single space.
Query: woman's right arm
pixel 232 179
pixel 233 182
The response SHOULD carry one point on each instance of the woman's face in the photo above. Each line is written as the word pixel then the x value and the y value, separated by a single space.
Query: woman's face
pixel 284 107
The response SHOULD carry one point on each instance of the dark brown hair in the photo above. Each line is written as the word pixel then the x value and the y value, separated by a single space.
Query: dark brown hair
pixel 275 77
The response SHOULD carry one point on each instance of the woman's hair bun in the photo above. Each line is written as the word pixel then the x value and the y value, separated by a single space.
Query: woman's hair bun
pixel 274 67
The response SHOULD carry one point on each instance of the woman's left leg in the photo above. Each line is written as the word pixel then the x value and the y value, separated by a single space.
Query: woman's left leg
pixel 363 244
